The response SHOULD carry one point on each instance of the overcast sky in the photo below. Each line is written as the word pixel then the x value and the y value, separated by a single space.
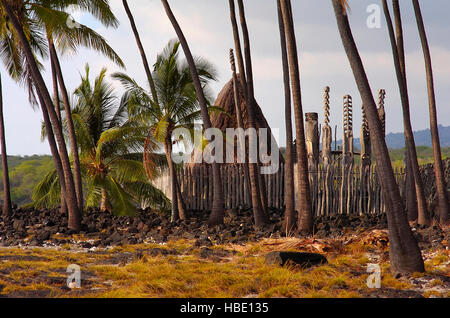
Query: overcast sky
pixel 322 59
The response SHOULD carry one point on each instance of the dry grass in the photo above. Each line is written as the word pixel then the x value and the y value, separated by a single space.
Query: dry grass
pixel 128 271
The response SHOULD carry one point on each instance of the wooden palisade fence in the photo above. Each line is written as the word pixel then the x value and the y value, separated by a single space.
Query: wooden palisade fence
pixel 337 184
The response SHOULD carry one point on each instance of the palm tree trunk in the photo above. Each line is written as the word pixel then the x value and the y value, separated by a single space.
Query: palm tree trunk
pixel 173 182
pixel 237 47
pixel 444 206
pixel 289 214
pixel 251 105
pixel 181 205
pixel 259 212
pixel 400 70
pixel 70 127
pixel 74 213
pixel 251 95
pixel 305 217
pixel 58 113
pixel 104 204
pixel 6 186
pixel 178 206
pixel 55 154
pixel 217 212
pixel 405 254
pixel 239 118
pixel 56 90
pixel 141 51
pixel 410 190
pixel 242 77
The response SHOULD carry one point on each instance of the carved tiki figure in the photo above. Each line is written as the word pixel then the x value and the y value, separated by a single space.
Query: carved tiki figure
pixel 366 153
pixel 347 157
pixel 327 138
pixel 312 147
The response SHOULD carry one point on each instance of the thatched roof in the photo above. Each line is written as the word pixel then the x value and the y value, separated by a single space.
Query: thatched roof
pixel 225 99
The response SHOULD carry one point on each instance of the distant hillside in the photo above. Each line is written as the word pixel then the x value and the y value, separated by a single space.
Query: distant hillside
pixel 422 138
pixel 25 173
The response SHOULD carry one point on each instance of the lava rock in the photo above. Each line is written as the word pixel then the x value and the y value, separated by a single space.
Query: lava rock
pixel 295 258
pixel 115 237
pixel 19 225
pixel 43 235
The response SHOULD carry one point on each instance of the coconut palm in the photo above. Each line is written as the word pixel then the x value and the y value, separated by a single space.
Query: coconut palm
pixel 16 19
pixel 110 153
pixel 305 217
pixel 16 65
pixel 54 21
pixel 442 194
pixel 259 203
pixel 217 212
pixel 141 50
pixel 289 214
pixel 33 16
pixel 400 69
pixel 175 106
pixel 405 254
pixel 6 185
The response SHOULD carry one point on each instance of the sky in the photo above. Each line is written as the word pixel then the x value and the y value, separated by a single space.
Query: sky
pixel 322 59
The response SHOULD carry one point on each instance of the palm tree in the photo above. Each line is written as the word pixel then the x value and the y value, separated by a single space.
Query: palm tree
pixel 19 20
pixel 68 37
pixel 6 185
pixel 405 254
pixel 15 63
pixel 177 107
pixel 217 212
pixel 400 69
pixel 237 46
pixel 141 51
pixel 239 117
pixel 110 153
pixel 258 199
pixel 289 214
pixel 442 194
pixel 178 206
pixel 242 81
pixel 305 217
pixel 412 205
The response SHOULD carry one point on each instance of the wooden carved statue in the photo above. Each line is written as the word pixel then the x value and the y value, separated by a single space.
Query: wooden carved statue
pixel 382 115
pixel 381 111
pixel 347 156
pixel 312 147
pixel 366 152
pixel 327 138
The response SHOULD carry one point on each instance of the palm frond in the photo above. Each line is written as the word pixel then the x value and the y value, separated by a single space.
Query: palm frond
pixel 148 195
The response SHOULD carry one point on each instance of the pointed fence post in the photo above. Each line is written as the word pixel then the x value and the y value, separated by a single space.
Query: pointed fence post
pixel 312 148
pixel 382 116
pixel 365 162
pixel 327 136
pixel 347 156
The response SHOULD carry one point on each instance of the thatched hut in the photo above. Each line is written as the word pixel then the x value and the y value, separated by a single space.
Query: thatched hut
pixel 226 100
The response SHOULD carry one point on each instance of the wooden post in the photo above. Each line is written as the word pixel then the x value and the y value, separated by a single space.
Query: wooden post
pixel 347 156
pixel 327 136
pixel 365 162
pixel 312 148
pixel 382 116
